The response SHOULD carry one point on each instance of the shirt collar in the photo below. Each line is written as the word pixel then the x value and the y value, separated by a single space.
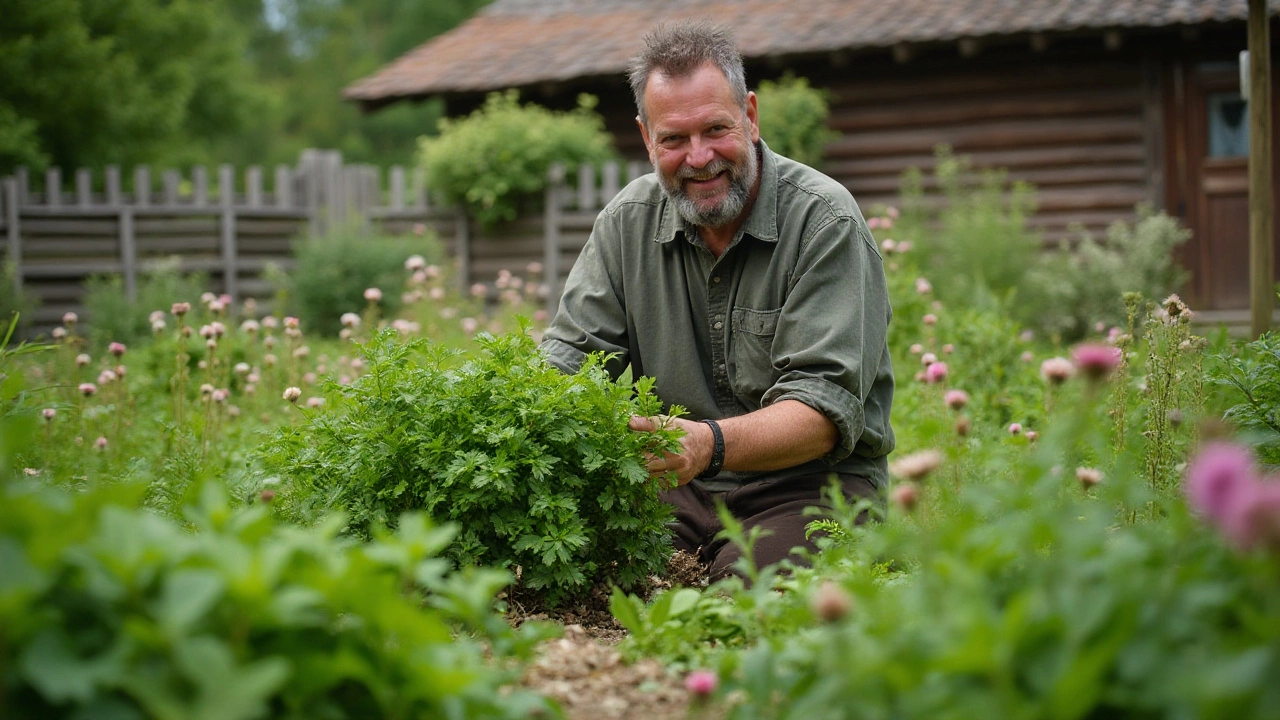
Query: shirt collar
pixel 762 221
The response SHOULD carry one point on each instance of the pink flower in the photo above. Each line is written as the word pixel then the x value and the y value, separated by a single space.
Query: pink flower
pixel 1032 435
pixel 956 399
pixel 1027 356
pixel 1056 370
pixel 873 223
pixel 180 308
pixel 948 348
pixel 116 348
pixel 1216 478
pixel 887 246
pixel 701 683
pixel 534 268
pixel 928 359
pixel 923 286
pixel 83 359
pixel 905 496
pixel 100 443
pixel 88 389
pixel 219 395
pixel 267 496
pixel 315 402
pixel 373 295
pixel 916 465
pixel 70 318
pixel 1096 361
pixel 470 325
pixel 292 394
pixel 1015 428
pixel 936 372
pixel 414 263
pixel 831 603
pixel 479 290
pixel 49 413
pixel 1088 477
pixel 930 319
pixel 106 377
pixel 916 349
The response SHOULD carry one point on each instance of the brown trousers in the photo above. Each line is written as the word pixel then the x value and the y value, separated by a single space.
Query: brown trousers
pixel 776 505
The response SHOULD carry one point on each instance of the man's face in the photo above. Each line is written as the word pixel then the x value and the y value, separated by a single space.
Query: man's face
pixel 702 145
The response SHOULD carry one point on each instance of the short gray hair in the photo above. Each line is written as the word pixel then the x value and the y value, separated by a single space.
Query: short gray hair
pixel 678 50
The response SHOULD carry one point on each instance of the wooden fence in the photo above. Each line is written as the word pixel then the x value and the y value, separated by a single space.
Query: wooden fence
pixel 235 228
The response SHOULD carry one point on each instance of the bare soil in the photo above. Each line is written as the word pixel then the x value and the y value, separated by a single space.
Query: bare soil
pixel 586 675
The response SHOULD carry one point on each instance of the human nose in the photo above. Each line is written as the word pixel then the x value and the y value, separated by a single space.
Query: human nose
pixel 700 152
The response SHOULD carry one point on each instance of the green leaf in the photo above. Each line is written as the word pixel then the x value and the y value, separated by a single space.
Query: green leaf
pixel 187 596
pixel 684 600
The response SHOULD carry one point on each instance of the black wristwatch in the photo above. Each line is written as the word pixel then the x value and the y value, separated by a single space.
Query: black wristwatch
pixel 717 453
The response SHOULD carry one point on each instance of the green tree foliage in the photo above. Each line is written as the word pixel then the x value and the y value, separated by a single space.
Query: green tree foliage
pixel 121 81
pixel 793 118
pixel 495 161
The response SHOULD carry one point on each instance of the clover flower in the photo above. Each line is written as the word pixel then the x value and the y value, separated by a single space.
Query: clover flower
pixel 935 373
pixel 831 603
pixel 414 263
pixel 117 348
pixel 292 394
pixel 956 399
pixel 1088 476
pixel 100 443
pixel 373 295
pixel 1056 370
pixel 1096 361
pixel 916 465
pixel 49 414
pixel 87 389
pixel 70 318
pixel 923 286
pixel 180 308
pixel 83 359
pixel 701 683
pixel 1015 428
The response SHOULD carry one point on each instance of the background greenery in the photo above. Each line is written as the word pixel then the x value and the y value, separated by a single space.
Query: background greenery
pixel 86 83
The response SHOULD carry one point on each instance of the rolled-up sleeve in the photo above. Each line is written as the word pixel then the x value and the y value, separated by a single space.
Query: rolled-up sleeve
pixel 592 314
pixel 829 346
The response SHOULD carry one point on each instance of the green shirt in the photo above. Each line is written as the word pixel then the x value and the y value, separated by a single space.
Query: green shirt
pixel 796 308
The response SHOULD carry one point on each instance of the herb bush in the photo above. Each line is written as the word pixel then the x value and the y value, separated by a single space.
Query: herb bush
pixel 1250 378
pixel 331 273
pixel 1066 292
pixel 107 611
pixel 793 118
pixel 495 161
pixel 537 468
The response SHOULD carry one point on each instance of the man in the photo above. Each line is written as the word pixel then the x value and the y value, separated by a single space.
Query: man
pixel 750 288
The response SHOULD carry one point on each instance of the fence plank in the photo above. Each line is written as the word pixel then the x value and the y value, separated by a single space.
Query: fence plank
pixel 610 186
pixel 84 187
pixel 142 186
pixel 112 185
pixel 397 187
pixel 53 187
pixel 284 187
pixel 253 186
pixel 23 176
pixel 227 196
pixel 11 198
pixel 551 238
pixel 200 186
pixel 635 169
pixel 586 187
pixel 169 182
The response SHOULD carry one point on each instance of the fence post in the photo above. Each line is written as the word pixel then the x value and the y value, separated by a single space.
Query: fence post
pixel 11 197
pixel 397 187
pixel 227 198
pixel 84 187
pixel 463 251
pixel 111 187
pixel 253 186
pixel 53 187
pixel 128 252
pixel 610 186
pixel 142 186
pixel 551 238
pixel 200 186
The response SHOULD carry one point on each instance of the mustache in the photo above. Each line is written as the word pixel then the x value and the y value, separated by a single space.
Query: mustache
pixel 714 168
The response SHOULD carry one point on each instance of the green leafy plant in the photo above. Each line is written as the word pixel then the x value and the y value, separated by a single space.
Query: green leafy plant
pixel 495 161
pixel 793 118
pixel 1083 283
pixel 331 274
pixel 537 468
pixel 110 611
pixel 1251 376
pixel 112 317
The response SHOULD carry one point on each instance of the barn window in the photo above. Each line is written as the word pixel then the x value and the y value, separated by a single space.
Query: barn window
pixel 1228 125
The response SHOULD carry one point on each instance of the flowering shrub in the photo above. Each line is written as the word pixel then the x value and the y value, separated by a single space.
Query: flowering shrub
pixel 538 469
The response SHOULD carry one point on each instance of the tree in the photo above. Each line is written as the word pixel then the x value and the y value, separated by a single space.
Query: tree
pixel 92 82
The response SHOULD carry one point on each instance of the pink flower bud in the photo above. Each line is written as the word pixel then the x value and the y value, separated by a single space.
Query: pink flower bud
pixel 1088 477
pixel 49 413
pixel 916 465
pixel 1056 370
pixel 905 496
pixel 83 359
pixel 1015 428
pixel 100 443
pixel 315 402
pixel 930 319
pixel 373 295
pixel 180 308
pixel 116 348
pixel 292 394
pixel 831 603
pixel 935 373
pixel 1096 361
pixel 70 318
pixel 956 399
pixel 88 389
pixel 267 496
pixel 414 263
pixel 701 683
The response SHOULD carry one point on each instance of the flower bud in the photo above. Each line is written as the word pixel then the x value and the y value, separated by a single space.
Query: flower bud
pixel 831 603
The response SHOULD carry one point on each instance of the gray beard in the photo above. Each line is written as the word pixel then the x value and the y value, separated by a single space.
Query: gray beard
pixel 741 180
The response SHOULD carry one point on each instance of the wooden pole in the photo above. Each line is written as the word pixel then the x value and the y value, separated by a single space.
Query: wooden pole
pixel 1261 224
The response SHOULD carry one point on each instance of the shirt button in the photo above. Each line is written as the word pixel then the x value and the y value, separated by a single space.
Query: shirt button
pixel 718 325
pixel 716 279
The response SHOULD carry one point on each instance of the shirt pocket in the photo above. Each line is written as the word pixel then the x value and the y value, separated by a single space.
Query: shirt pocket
pixel 751 371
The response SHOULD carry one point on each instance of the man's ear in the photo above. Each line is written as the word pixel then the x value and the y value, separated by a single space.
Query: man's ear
pixel 753 117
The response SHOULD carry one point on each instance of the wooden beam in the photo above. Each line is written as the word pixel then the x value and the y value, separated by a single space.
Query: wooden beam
pixel 1261 223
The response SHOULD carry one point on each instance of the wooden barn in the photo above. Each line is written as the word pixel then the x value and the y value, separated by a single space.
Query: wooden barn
pixel 1102 104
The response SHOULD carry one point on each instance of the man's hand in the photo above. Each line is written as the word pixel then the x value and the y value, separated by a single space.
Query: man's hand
pixel 695 453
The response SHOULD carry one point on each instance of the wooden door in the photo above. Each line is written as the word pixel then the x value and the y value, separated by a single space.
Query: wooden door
pixel 1209 182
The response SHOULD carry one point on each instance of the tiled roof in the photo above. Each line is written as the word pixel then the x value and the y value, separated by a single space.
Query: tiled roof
pixel 515 43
